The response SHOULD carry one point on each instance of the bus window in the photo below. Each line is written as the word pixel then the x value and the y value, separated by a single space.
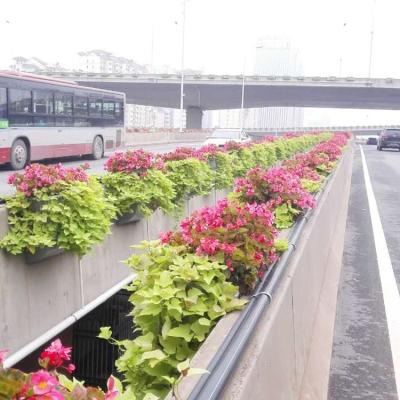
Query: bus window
pixel 20 101
pixel 20 120
pixel 80 106
pixel 63 104
pixel 119 113
pixel 80 122
pixel 43 102
pixel 64 121
pixel 46 120
pixel 3 103
pixel 108 108
pixel 95 107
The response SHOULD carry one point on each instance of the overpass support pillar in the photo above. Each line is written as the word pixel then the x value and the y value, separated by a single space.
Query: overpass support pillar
pixel 194 116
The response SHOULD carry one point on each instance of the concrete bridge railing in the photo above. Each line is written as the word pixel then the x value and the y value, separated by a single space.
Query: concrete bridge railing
pixel 38 301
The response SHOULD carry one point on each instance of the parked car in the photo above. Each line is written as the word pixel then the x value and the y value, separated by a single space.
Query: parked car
pixel 221 136
pixel 372 140
pixel 389 138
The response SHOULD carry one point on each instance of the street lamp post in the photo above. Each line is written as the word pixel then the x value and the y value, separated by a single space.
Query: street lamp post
pixel 182 60
pixel 242 105
pixel 342 41
pixel 371 42
pixel 242 99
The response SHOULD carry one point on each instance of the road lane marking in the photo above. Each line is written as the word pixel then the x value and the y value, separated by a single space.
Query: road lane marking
pixel 390 291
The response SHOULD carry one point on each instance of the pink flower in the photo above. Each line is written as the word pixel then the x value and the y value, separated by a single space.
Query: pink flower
pixel 137 161
pixel 3 354
pixel 43 382
pixel 56 354
pixel 209 245
pixel 112 392
pixel 71 368
pixel 166 237
pixel 38 176
pixel 228 248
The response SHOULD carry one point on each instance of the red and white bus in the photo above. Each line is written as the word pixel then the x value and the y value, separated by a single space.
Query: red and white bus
pixel 46 118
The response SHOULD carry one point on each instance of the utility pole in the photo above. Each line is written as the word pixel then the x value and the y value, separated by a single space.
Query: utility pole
pixel 182 60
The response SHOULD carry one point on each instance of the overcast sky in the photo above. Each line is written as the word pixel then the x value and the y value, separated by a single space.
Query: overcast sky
pixel 220 34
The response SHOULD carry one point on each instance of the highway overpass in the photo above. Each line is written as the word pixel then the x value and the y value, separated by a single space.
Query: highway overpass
pixel 212 92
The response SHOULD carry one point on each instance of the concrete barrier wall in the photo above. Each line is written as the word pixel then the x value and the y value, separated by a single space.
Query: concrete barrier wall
pixel 35 298
pixel 289 354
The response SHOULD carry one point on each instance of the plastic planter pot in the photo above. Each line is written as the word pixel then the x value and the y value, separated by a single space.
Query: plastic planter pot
pixel 36 205
pixel 43 254
pixel 129 217
pixel 212 162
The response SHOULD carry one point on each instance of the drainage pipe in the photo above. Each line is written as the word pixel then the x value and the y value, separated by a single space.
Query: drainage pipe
pixel 210 386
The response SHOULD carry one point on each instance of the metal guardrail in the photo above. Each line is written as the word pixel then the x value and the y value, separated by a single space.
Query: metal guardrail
pixel 210 386
pixel 236 78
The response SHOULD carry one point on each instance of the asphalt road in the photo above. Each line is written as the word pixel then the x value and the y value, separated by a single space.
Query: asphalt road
pixel 96 166
pixel 362 365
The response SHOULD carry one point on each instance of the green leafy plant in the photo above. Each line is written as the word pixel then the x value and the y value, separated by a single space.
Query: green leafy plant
pixel 285 215
pixel 244 160
pixel 281 245
pixel 130 192
pixel 177 298
pixel 311 186
pixel 73 218
pixel 223 175
pixel 264 154
pixel 190 177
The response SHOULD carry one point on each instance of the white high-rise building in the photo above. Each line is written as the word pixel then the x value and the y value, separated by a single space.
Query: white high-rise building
pixel 276 57
pixel 273 57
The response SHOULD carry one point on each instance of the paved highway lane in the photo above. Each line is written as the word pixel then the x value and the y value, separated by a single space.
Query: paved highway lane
pixel 362 360
pixel 96 166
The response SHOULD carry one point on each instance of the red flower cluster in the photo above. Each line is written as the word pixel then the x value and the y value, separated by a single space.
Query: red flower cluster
pixel 273 187
pixel 210 150
pixel 300 167
pixel 242 234
pixel 319 158
pixel 182 153
pixel 38 176
pixel 45 384
pixel 55 356
pixel 233 146
pixel 132 161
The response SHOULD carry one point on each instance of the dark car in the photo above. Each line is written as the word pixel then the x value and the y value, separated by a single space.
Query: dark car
pixel 372 140
pixel 389 138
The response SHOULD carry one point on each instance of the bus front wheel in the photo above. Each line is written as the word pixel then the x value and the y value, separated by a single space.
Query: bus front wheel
pixel 19 154
pixel 97 148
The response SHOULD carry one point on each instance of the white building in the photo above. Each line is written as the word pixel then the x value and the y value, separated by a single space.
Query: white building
pixel 138 116
pixel 276 57
pixel 34 65
pixel 105 62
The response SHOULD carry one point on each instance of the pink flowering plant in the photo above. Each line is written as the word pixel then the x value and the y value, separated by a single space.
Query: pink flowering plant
pixel 280 190
pixel 56 206
pixel 38 176
pixel 138 161
pixel 135 183
pixel 50 383
pixel 182 153
pixel 239 235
